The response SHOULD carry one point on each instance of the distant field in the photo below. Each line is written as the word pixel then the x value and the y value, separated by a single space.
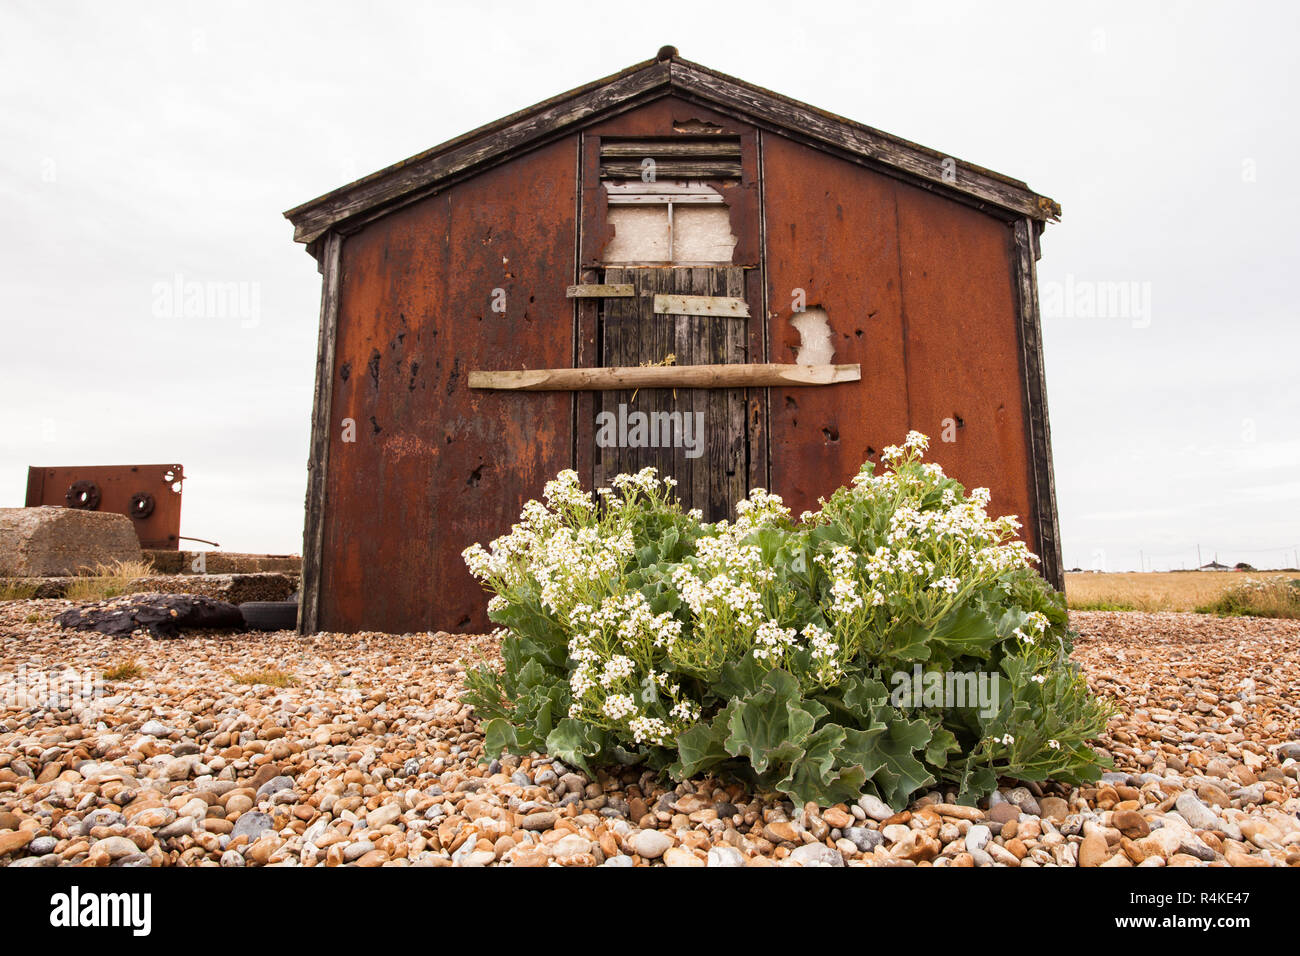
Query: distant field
pixel 1157 591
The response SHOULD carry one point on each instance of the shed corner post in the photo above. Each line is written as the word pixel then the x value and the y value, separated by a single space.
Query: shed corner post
pixel 1042 477
pixel 318 455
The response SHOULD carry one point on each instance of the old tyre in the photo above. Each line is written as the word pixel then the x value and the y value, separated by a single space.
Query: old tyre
pixel 270 615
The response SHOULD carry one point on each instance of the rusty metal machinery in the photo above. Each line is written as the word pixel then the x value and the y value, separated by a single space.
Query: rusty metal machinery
pixel 150 495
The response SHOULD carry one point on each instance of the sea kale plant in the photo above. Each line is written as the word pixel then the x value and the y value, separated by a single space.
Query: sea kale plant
pixel 895 639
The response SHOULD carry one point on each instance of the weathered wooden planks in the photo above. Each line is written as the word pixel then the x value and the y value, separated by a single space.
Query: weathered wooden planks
pixel 673 169
pixel 711 476
pixel 671 376
pixel 730 306
pixel 693 148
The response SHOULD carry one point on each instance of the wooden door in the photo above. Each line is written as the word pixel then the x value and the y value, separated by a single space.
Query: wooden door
pixel 698 436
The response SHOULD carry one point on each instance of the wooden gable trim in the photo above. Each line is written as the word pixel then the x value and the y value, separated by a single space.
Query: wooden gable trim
pixel 892 154
pixel 596 101
pixel 312 219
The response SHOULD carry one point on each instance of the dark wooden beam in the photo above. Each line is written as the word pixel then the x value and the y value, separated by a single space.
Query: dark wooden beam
pixel 1042 480
pixel 313 538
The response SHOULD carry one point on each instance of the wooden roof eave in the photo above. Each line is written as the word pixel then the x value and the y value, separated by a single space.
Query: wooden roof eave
pixel 649 80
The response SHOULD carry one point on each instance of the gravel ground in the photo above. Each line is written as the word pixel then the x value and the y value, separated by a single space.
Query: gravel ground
pixel 367 758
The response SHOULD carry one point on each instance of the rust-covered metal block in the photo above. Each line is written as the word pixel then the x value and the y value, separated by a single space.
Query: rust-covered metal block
pixel 150 495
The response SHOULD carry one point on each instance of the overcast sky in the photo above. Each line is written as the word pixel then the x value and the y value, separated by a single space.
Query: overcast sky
pixel 142 142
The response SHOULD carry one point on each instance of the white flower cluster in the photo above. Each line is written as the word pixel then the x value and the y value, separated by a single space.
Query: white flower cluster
pixel 542 546
pixel 1037 625
pixel 564 493
pixel 905 562
pixel 574 554
pixel 915 442
pixel 760 509
pixel 644 480
pixel 772 641
pixel 841 566
pixel 617 668
pixel 619 706
pixel 726 580
pixel 687 711
pixel 721 595
pixel 649 730
pixel 824 653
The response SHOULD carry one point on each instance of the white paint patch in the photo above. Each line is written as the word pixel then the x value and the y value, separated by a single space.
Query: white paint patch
pixel 677 222
pixel 702 233
pixel 814 328
pixel 640 234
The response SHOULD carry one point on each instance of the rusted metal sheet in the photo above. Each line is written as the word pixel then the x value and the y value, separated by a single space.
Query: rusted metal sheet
pixel 958 269
pixel 478 271
pixel 150 495
pixel 920 291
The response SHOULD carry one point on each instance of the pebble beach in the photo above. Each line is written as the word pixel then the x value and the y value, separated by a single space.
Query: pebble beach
pixel 354 750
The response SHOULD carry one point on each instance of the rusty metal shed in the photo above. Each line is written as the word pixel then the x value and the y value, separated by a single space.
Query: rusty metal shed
pixel 665 210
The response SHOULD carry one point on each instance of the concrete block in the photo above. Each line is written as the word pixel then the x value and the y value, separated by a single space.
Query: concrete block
pixel 52 540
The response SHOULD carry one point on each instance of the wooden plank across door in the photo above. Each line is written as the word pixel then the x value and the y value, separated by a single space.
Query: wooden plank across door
pixel 726 375
pixel 632 335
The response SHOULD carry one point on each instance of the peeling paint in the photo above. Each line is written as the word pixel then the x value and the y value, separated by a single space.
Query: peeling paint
pixel 815 345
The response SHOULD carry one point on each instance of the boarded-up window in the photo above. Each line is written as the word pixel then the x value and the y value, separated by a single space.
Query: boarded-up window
pixel 673 223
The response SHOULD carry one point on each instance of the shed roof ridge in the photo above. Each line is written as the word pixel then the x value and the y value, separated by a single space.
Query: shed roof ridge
pixel 648 80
